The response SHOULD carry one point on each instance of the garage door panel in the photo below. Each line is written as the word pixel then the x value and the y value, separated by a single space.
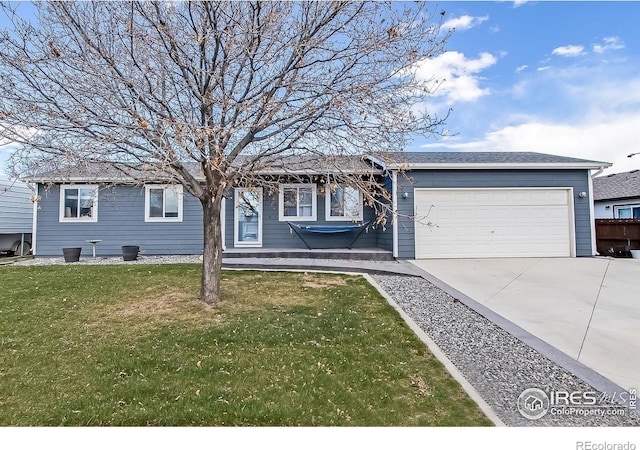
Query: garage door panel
pixel 494 223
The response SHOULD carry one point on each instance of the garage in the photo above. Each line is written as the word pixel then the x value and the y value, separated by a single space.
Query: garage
pixel 494 222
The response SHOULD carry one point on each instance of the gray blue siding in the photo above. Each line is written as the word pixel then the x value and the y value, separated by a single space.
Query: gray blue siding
pixel 576 179
pixel 276 234
pixel 120 222
pixel 121 217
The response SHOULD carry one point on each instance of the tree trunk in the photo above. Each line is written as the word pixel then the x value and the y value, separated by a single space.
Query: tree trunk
pixel 212 254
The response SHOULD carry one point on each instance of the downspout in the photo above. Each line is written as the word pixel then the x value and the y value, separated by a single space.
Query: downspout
pixel 394 205
pixel 594 245
pixel 600 170
pixel 34 218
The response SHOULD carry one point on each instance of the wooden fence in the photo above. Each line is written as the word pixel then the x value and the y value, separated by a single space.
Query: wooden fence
pixel 615 237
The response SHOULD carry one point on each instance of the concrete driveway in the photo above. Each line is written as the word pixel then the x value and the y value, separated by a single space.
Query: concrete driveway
pixel 588 308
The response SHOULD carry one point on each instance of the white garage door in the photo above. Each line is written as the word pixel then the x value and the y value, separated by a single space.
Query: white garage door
pixel 485 223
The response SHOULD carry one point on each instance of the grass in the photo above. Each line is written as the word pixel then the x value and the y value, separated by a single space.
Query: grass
pixel 131 345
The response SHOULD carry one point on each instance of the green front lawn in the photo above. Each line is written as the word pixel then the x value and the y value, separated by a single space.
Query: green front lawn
pixel 131 345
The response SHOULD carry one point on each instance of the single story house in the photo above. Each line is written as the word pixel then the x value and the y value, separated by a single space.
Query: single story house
pixel 444 205
pixel 617 196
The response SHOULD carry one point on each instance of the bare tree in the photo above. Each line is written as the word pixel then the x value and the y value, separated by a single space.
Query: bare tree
pixel 230 88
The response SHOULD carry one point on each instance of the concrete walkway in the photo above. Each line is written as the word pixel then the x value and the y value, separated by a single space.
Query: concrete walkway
pixel 337 265
pixel 588 308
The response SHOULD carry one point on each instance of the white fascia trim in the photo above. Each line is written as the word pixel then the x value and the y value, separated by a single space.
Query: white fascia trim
pixel 497 166
pixel 80 180
pixel 318 172
pixel 377 162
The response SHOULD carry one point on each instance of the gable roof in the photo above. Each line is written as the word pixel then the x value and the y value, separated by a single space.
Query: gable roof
pixel 617 186
pixel 323 164
pixel 487 160
pixel 278 165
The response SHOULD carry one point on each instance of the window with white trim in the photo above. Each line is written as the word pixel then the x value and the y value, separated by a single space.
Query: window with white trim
pixel 78 203
pixel 297 202
pixel 163 203
pixel 627 212
pixel 247 217
pixel 343 203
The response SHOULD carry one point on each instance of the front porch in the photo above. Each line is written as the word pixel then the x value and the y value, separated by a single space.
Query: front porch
pixel 361 254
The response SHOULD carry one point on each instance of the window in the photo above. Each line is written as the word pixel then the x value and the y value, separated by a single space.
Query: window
pixel 627 212
pixel 298 202
pixel 343 203
pixel 163 203
pixel 78 203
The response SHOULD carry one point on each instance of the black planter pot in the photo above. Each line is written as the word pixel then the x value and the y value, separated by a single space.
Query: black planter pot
pixel 130 252
pixel 71 254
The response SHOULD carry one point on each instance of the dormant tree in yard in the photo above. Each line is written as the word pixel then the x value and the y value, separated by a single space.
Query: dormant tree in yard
pixel 155 89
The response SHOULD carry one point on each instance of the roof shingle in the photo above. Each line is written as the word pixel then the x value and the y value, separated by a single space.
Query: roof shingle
pixel 315 164
pixel 617 186
pixel 488 158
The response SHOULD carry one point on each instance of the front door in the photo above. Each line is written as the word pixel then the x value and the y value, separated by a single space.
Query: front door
pixel 248 218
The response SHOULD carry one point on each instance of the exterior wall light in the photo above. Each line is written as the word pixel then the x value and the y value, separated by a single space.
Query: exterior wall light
pixel 405 195
pixel 582 194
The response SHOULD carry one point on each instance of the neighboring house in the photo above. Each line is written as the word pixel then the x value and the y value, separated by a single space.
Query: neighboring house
pixel 617 196
pixel 16 217
pixel 447 205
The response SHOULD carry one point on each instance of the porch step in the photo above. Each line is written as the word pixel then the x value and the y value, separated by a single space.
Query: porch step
pixel 360 254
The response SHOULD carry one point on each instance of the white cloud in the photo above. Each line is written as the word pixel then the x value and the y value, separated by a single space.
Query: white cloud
pixel 570 51
pixel 464 22
pixel 609 43
pixel 518 3
pixel 586 109
pixel 608 141
pixel 457 75
pixel 579 93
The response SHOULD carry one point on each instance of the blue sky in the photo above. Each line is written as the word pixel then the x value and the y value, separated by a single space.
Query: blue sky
pixel 552 77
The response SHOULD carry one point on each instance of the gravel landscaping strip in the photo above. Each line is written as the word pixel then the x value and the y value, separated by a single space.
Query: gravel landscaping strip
pixel 184 259
pixel 498 365
pixel 173 259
